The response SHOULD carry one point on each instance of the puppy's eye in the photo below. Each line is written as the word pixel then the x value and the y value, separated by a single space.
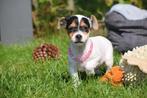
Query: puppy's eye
pixel 72 29
pixel 84 29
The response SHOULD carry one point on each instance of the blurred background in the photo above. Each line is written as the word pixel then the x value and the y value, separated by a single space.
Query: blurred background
pixel 45 13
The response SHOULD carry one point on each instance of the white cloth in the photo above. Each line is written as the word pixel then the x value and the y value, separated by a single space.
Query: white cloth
pixel 129 11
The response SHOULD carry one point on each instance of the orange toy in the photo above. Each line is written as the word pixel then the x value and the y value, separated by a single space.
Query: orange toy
pixel 113 76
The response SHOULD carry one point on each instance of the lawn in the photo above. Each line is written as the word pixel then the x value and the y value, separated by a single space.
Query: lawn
pixel 21 77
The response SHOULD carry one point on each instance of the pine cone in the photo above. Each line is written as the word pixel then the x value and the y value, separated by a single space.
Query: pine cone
pixel 45 51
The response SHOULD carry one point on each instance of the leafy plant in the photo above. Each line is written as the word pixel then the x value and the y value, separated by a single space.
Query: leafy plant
pixel 47 12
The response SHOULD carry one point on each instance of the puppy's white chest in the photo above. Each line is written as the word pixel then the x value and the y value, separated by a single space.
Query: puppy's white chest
pixel 89 57
pixel 81 54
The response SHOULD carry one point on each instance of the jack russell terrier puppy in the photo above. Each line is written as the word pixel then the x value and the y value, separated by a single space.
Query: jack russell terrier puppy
pixel 85 53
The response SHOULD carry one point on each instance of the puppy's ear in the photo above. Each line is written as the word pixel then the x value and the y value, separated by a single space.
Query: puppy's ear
pixel 94 22
pixel 61 23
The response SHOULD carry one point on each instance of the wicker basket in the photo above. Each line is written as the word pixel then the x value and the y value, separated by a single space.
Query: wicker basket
pixel 134 64
pixel 132 74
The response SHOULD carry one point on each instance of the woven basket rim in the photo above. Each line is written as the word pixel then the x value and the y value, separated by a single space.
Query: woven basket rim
pixel 142 64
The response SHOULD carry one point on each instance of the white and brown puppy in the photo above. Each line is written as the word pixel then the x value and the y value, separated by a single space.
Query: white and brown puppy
pixel 85 53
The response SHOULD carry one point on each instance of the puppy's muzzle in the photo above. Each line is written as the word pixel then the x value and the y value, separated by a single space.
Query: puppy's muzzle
pixel 78 38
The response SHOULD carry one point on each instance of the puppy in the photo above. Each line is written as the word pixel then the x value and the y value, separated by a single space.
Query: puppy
pixel 85 53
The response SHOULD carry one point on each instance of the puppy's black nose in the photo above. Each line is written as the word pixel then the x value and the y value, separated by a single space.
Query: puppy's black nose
pixel 78 37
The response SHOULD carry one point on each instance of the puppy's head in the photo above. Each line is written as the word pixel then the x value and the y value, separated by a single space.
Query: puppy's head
pixel 78 27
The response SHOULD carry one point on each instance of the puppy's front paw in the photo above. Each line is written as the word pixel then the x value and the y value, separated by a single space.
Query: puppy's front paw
pixel 76 83
pixel 75 79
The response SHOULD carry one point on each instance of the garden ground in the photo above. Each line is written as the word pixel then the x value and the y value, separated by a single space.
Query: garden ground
pixel 21 77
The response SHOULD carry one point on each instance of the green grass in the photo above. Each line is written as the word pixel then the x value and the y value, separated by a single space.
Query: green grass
pixel 21 77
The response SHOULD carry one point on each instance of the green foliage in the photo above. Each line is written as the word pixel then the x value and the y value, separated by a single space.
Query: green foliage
pixel 48 11
pixel 135 2
pixel 100 7
pixel 46 14
pixel 42 1
pixel 88 7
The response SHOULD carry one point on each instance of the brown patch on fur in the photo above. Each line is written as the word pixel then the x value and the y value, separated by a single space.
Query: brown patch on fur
pixel 70 34
pixel 73 24
pixel 82 23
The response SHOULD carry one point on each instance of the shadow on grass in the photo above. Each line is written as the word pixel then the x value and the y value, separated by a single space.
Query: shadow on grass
pixel 100 71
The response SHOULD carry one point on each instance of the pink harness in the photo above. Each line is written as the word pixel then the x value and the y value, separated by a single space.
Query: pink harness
pixel 82 57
